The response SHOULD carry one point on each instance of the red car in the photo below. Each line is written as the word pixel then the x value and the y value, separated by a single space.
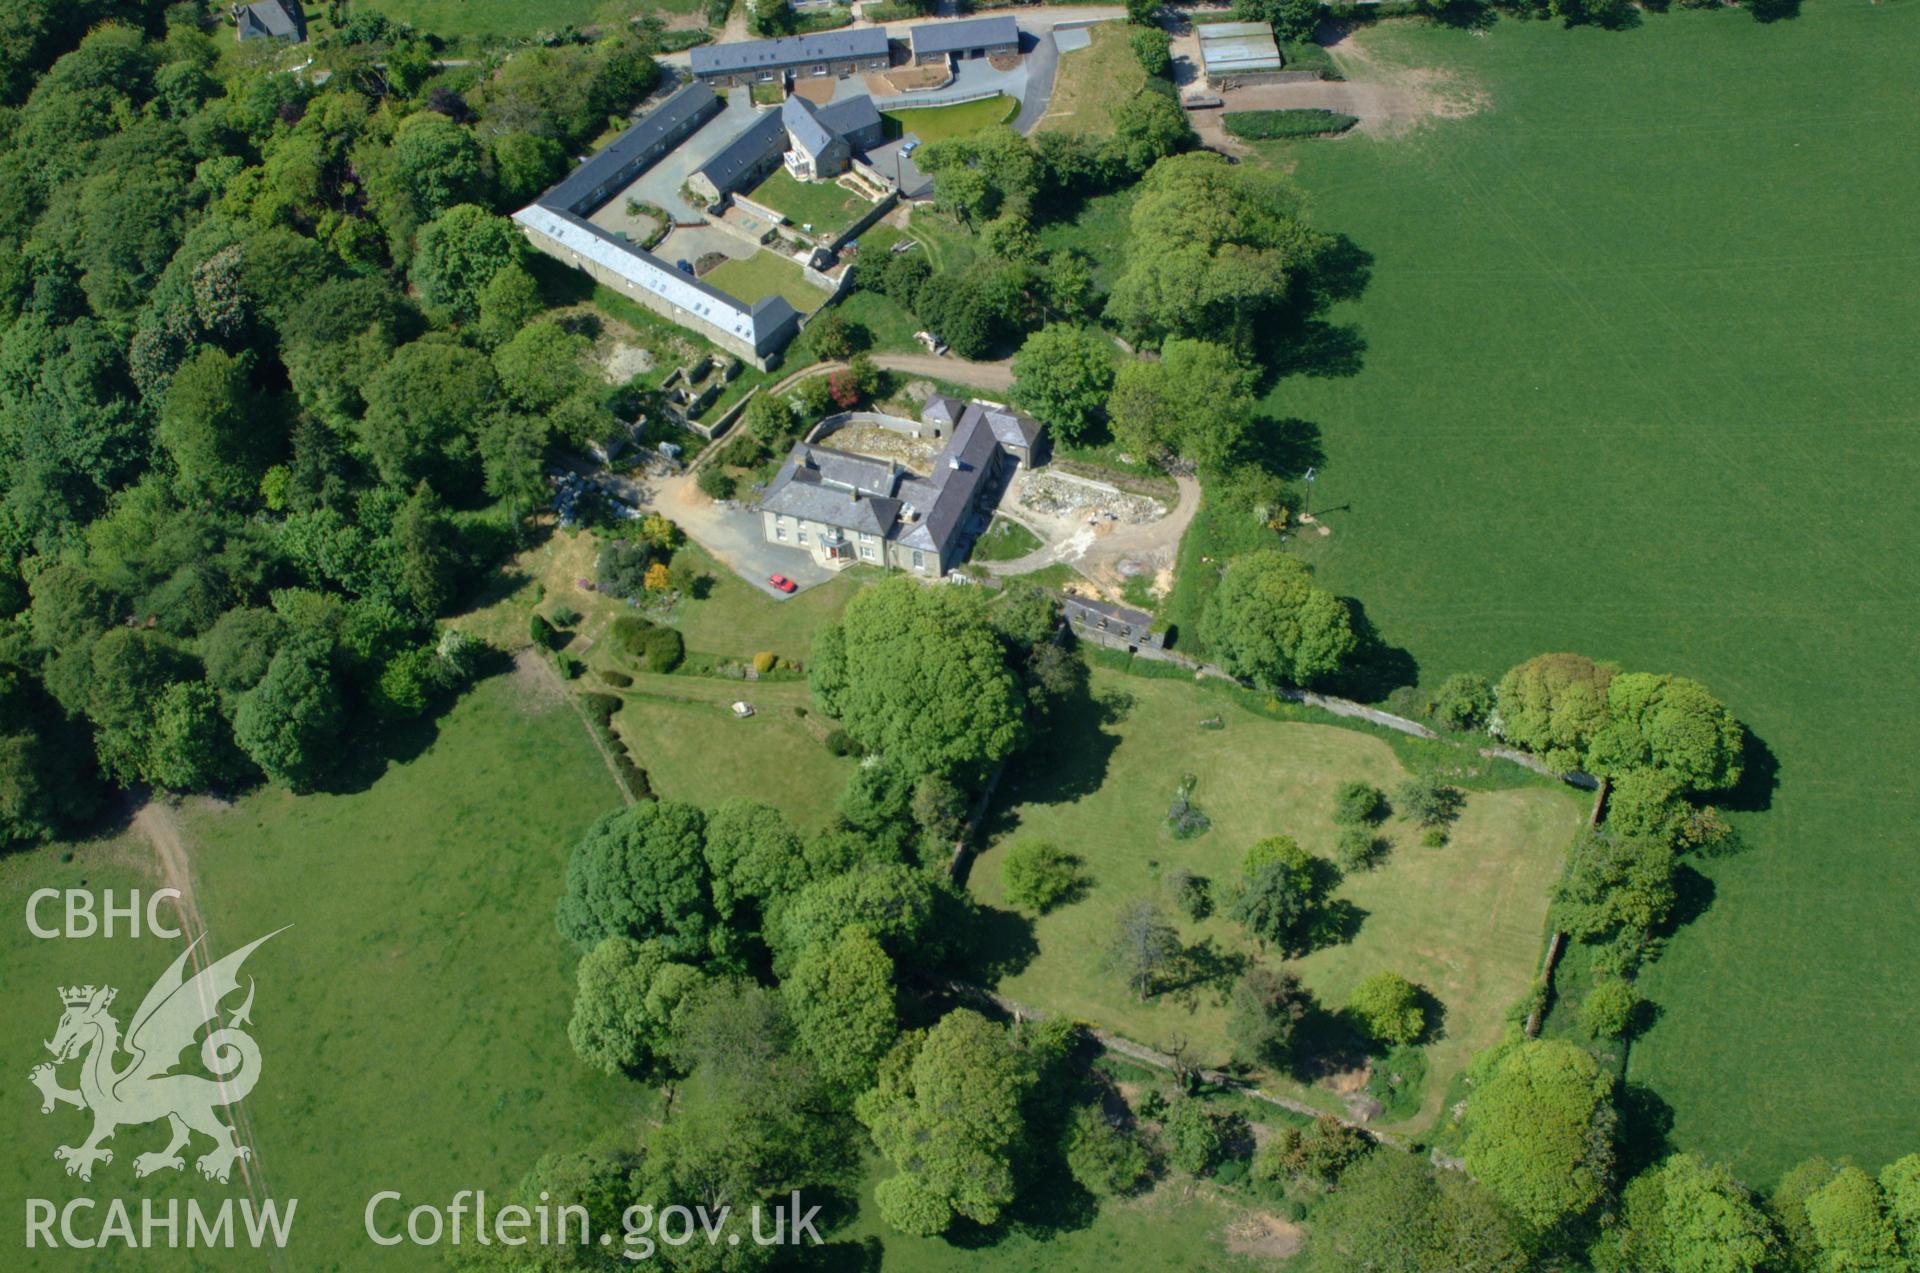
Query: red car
pixel 781 582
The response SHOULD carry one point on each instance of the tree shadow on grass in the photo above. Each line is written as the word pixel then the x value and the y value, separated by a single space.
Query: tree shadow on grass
pixel 1203 967
pixel 373 745
pixel 1326 1042
pixel 1376 668
pixel 1068 762
pixel 1693 895
pixel 996 943
pixel 1759 778
pixel 1285 447
pixel 1645 1131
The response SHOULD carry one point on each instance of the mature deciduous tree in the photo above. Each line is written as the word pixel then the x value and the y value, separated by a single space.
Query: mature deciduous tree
pixel 1062 375
pixel 640 872
pixel 1269 622
pixel 946 1111
pixel 1540 1131
pixel 917 675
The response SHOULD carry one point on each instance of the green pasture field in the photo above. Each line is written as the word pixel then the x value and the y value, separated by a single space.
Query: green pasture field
pixel 940 123
pixel 412 1021
pixel 458 19
pixel 1094 80
pixel 1465 920
pixel 1638 381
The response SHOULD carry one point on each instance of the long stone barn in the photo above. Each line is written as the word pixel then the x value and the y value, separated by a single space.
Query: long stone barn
pixel 557 224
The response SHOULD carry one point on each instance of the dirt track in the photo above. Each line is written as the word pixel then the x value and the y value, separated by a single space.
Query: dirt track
pixel 161 828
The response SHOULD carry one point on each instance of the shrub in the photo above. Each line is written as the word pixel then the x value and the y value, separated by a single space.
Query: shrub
pixel 1357 802
pixel 1388 1007
pixel 621 570
pixel 620 680
pixel 541 633
pixel 763 662
pixel 570 667
pixel 1040 876
pixel 1150 49
pixel 1428 801
pixel 658 578
pixel 1434 837
pixel 1184 818
pixel 1103 1159
pixel 1194 1138
pixel 1276 125
pixel 600 709
pixel 630 633
pixel 841 743
pixel 1357 849
pixel 715 484
pixel 634 776
pixel 565 617
pixel 1463 701
pixel 663 649
pixel 1608 1009
pixel 1191 893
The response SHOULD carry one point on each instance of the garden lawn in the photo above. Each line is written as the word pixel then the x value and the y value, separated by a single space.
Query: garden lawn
pixel 765 274
pixel 1640 381
pixel 1094 80
pixel 940 123
pixel 1004 540
pixel 828 207
pixel 1464 920
pixel 412 1021
pixel 682 731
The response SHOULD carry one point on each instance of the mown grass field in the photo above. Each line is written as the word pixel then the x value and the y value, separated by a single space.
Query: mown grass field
pixel 412 1021
pixel 1464 920
pixel 1640 381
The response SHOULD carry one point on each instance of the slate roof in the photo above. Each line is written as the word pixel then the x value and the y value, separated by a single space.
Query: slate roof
pixel 755 323
pixel 577 187
pixel 944 497
pixel 1010 428
pixel 275 19
pixel 792 50
pixel 941 409
pixel 766 135
pixel 808 133
pixel 958 37
pixel 820 484
pixel 849 116
pixel 854 492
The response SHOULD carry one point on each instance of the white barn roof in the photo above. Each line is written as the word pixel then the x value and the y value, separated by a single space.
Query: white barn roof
pixel 643 269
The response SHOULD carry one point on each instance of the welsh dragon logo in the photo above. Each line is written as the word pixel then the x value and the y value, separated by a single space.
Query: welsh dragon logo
pixel 145 1088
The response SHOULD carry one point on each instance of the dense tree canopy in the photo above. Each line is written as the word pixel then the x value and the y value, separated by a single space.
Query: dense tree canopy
pixel 640 872
pixel 1211 247
pixel 918 676
pixel 1540 1131
pixel 1269 622
pixel 947 1112
pixel 1062 376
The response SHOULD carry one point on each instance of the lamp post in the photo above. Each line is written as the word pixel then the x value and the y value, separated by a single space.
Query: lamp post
pixel 1307 512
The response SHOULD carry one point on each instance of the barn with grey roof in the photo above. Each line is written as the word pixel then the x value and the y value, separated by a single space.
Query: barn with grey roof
pixel 836 53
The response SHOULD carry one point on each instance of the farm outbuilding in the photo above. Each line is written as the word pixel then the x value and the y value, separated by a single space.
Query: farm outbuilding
pixel 1236 50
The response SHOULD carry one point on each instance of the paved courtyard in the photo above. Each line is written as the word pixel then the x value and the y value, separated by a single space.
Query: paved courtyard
pixel 660 184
